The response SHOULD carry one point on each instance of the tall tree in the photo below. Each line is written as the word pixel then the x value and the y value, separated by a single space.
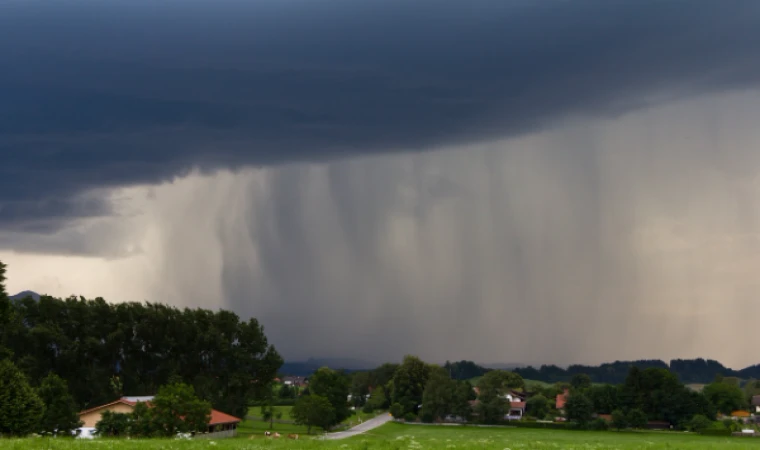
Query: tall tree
pixel 313 410
pixel 61 416
pixel 580 381
pixel 538 406
pixel 500 382
pixel 438 396
pixel 726 397
pixel 579 409
pixel 91 344
pixel 20 407
pixel 333 386
pixel 409 382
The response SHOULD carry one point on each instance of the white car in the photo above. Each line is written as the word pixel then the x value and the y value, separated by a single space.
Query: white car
pixel 85 433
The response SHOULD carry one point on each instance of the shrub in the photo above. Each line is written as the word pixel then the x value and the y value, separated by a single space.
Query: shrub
pixel 700 423
pixel 598 424
pixel 410 417
pixel 637 418
pixel 367 409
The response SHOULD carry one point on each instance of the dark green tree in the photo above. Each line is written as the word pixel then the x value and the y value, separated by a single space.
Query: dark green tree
pixel 142 423
pixel 313 411
pixel 287 391
pixel 637 418
pixel 604 398
pixel 580 381
pixel 21 409
pixel 491 409
pixel 176 409
pixel 538 406
pixel 463 393
pixel 92 344
pixel 112 424
pixel 397 411
pixel 378 399
pixel 333 386
pixel 726 397
pixel 579 409
pixel 619 419
pixel 438 396
pixel 500 382
pixel 61 414
pixel 699 423
pixel 409 382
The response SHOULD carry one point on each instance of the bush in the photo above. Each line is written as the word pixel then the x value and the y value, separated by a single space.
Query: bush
pixel 637 418
pixel 598 424
pixel 427 416
pixel 368 409
pixel 397 411
pixel 701 423
pixel 410 417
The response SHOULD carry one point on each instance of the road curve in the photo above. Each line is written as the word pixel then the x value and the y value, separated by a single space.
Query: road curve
pixel 371 424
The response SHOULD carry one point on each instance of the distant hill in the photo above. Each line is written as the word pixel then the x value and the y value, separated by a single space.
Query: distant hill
pixel 25 294
pixel 306 368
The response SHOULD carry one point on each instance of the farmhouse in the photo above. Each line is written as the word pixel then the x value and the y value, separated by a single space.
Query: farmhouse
pixel 220 424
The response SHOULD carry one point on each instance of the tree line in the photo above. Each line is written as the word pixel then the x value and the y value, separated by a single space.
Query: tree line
pixel 104 350
pixel 700 371
pixel 415 390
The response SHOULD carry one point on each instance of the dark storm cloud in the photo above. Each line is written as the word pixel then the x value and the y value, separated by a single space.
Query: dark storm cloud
pixel 98 94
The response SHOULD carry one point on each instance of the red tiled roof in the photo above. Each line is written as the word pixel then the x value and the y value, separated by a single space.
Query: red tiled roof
pixel 520 405
pixel 561 400
pixel 219 418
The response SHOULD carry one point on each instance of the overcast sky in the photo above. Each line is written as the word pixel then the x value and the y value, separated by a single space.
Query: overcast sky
pixel 518 181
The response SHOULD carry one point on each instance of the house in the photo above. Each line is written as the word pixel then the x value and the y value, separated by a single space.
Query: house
pixel 516 411
pixel 756 404
pixel 740 415
pixel 294 381
pixel 220 424
pixel 559 404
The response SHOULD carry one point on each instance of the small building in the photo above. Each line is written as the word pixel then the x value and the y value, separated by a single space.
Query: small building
pixel 756 404
pixel 516 411
pixel 220 425
pixel 294 381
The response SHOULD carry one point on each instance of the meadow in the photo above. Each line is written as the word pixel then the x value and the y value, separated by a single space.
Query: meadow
pixel 418 437
pixel 284 425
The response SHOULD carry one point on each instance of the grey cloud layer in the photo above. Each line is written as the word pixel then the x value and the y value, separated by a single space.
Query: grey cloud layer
pixel 98 94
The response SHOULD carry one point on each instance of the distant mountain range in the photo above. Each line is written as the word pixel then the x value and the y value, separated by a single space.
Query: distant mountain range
pixel 25 294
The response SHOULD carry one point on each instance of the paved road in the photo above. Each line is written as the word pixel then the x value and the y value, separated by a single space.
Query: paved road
pixel 361 428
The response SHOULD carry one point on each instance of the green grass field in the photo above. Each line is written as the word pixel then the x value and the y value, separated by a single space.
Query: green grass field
pixel 417 437
pixel 258 426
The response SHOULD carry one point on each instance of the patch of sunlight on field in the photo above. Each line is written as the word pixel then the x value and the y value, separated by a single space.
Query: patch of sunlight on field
pixel 417 437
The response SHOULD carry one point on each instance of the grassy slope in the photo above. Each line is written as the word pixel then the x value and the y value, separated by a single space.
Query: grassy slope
pixel 398 437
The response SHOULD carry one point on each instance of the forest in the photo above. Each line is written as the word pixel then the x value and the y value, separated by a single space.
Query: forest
pixel 105 350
